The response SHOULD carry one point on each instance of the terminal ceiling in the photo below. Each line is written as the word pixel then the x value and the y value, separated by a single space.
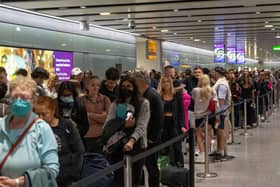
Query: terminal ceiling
pixel 194 23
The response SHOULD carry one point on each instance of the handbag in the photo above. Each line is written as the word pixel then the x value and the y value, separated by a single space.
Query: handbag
pixel 17 142
pixel 211 106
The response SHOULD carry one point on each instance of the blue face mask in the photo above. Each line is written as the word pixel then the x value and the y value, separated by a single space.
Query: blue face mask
pixel 20 107
pixel 67 99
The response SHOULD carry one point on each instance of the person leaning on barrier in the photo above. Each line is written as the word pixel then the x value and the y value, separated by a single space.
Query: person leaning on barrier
pixel 34 161
pixel 224 100
pixel 155 123
pixel 133 113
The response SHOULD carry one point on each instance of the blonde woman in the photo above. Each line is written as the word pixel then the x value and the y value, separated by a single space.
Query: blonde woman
pixel 173 118
pixel 51 86
pixel 201 96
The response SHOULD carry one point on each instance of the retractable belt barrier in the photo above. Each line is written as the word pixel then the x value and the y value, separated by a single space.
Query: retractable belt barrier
pixel 129 160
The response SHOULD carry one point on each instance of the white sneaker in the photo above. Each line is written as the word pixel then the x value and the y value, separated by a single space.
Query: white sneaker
pixel 201 157
pixel 196 153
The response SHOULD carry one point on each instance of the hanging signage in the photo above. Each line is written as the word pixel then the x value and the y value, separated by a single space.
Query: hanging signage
pixel 151 49
pixel 231 48
pixel 219 53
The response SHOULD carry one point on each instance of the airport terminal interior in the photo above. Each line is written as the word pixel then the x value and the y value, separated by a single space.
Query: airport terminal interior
pixel 152 93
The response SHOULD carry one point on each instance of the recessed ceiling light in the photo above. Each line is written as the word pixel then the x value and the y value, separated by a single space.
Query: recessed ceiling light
pixel 154 27
pixel 175 10
pixel 175 33
pixel 164 30
pixel 258 12
pixel 105 13
pixel 83 7
pixel 63 44
pixel 273 29
pixel 197 40
pixel 18 28
pixel 268 26
pixel 267 22
pixel 199 20
pixel 191 38
pixel 108 50
pixel 125 19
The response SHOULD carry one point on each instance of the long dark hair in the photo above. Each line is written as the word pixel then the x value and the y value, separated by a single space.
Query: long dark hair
pixel 67 85
pixel 135 97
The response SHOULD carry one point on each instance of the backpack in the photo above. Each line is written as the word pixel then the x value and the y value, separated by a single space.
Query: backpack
pixel 93 163
pixel 114 136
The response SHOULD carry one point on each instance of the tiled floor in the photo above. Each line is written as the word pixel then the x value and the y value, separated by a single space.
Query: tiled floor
pixel 257 162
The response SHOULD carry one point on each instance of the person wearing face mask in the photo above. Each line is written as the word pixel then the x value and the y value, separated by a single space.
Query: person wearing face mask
pixel 70 108
pixel 28 146
pixel 134 111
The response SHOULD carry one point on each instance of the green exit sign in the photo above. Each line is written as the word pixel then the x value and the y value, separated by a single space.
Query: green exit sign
pixel 276 48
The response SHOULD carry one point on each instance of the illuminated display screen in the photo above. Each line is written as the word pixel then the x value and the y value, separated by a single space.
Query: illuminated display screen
pixel 13 59
pixel 231 55
pixel 219 53
pixel 151 49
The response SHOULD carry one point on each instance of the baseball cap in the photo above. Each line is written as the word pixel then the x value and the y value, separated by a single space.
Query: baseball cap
pixel 76 71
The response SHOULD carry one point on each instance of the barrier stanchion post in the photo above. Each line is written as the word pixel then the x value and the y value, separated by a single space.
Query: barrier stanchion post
pixel 275 99
pixel 257 110
pixel 271 102
pixel 191 147
pixel 206 173
pixel 233 125
pixel 264 107
pixel 245 133
pixel 127 171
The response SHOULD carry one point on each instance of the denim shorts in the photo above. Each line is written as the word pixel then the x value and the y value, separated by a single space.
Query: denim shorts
pixel 222 122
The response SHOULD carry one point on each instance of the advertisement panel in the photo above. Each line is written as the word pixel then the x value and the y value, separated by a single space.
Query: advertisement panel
pixel 231 55
pixel 219 53
pixel 63 64
pixel 13 58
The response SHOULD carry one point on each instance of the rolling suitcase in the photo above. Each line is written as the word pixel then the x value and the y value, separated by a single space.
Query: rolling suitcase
pixel 174 176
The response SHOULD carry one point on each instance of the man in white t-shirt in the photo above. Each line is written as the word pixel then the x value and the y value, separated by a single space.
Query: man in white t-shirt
pixel 224 96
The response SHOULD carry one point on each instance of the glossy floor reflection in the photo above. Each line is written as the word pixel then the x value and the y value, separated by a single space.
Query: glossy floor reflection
pixel 256 163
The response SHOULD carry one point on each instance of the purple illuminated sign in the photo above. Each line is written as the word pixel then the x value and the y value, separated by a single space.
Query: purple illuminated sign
pixel 231 55
pixel 219 53
pixel 240 52
pixel 63 64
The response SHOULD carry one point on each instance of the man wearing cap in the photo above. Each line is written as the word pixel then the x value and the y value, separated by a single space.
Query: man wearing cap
pixel 155 124
pixel 224 99
pixel 77 76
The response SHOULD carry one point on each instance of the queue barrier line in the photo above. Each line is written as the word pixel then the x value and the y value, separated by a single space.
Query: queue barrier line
pixel 128 161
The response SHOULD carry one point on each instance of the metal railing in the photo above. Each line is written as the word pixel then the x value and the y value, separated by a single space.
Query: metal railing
pixel 129 160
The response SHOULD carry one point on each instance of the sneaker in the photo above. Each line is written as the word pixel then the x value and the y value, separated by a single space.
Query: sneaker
pixel 218 157
pixel 200 158
pixel 213 153
pixel 262 118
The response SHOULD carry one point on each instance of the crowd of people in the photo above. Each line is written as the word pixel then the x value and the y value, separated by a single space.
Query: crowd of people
pixel 50 129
